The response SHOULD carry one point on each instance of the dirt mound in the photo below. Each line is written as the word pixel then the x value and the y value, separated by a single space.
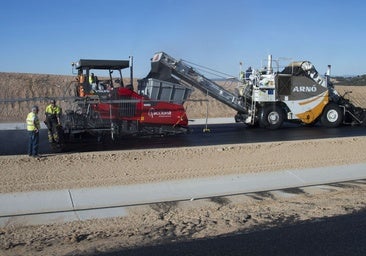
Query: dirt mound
pixel 15 86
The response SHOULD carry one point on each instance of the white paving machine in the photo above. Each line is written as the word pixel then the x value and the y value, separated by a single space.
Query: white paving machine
pixel 269 97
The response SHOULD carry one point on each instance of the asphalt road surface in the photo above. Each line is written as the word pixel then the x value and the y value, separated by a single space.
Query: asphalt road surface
pixel 14 142
pixel 341 235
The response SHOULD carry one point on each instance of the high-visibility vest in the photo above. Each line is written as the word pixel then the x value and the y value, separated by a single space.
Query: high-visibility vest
pixel 32 122
pixel 91 79
pixel 53 111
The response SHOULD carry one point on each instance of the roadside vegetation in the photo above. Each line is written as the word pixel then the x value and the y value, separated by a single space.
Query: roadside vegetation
pixel 359 80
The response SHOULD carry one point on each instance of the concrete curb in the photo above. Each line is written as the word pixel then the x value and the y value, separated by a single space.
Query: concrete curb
pixel 102 201
pixel 17 126
pixel 35 202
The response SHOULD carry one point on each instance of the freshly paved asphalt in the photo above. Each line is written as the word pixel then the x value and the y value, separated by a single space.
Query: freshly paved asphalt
pixel 14 142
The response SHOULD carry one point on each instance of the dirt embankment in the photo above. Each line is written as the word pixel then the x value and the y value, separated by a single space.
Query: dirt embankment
pixel 25 86
pixel 15 86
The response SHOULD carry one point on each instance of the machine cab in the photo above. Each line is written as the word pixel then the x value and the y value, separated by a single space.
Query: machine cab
pixel 100 77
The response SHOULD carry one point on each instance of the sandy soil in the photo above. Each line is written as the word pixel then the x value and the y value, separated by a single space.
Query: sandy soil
pixel 173 222
pixel 65 171
pixel 160 223
pixel 168 222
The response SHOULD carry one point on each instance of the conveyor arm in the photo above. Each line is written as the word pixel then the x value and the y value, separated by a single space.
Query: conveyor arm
pixel 187 73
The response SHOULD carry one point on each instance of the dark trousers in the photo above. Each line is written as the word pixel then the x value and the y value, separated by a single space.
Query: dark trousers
pixel 52 130
pixel 33 143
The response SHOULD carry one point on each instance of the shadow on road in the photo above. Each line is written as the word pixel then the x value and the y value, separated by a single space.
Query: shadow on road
pixel 341 235
pixel 14 142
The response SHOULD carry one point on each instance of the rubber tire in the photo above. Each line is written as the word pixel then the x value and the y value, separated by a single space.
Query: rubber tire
pixel 332 116
pixel 364 118
pixel 271 117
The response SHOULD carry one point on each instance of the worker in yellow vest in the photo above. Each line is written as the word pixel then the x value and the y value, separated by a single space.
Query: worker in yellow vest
pixel 33 127
pixel 93 81
pixel 53 113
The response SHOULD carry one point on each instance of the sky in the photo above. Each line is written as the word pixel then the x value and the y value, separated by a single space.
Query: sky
pixel 43 36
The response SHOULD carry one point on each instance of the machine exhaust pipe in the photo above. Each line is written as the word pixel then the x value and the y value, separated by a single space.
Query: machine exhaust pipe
pixel 328 70
pixel 131 70
pixel 269 65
